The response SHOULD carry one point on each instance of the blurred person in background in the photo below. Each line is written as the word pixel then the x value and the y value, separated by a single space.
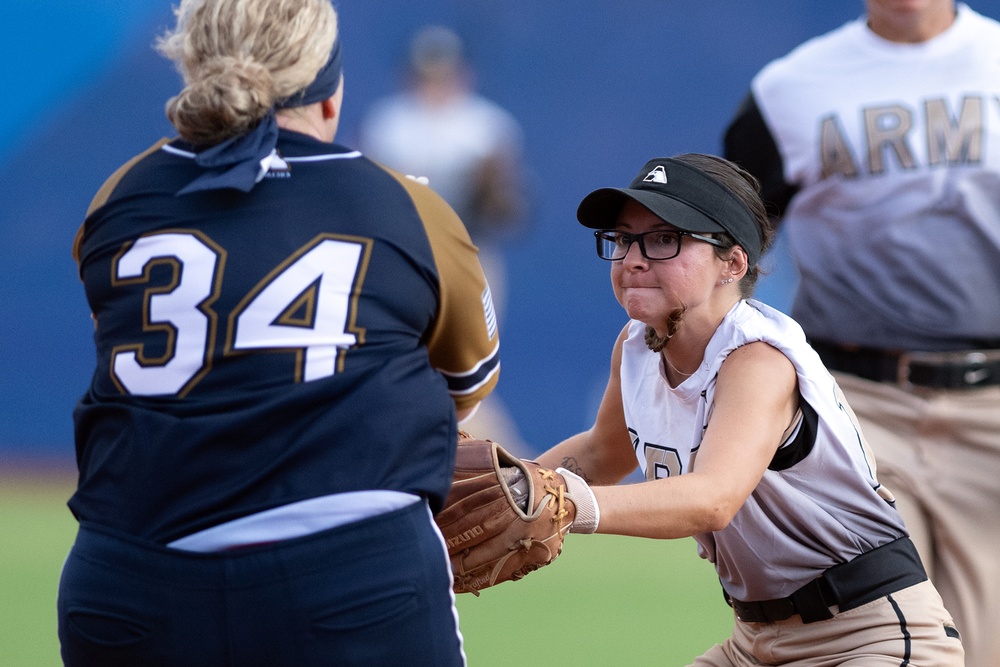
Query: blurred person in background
pixel 286 334
pixel 470 150
pixel 878 148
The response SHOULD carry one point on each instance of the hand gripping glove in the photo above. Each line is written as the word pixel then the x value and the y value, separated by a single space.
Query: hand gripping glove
pixel 504 517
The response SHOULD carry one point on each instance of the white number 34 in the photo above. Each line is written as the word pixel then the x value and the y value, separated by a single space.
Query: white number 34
pixel 306 305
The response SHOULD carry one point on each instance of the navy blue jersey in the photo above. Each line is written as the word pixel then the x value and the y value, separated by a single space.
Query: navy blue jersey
pixel 310 337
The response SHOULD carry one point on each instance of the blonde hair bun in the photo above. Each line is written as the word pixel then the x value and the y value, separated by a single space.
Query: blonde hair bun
pixel 227 97
pixel 239 58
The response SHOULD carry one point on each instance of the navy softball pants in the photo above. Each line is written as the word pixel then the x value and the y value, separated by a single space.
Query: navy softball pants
pixel 374 592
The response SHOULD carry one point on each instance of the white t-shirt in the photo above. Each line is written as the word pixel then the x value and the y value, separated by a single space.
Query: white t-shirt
pixel 444 144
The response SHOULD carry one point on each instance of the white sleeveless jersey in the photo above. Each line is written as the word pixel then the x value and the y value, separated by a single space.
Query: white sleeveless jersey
pixel 895 151
pixel 805 515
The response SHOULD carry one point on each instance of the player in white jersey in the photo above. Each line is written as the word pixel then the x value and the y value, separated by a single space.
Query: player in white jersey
pixel 471 151
pixel 878 146
pixel 745 439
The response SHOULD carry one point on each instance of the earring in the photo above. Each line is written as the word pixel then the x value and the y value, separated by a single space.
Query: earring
pixel 726 282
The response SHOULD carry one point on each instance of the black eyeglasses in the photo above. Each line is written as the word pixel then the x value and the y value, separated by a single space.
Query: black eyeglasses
pixel 659 244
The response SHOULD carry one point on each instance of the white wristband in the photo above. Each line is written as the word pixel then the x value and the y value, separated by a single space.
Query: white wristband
pixel 588 514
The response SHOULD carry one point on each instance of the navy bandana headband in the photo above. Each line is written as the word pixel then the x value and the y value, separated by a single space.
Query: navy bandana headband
pixel 240 162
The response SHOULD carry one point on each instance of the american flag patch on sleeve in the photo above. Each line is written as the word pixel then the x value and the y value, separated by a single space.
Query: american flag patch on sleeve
pixel 489 312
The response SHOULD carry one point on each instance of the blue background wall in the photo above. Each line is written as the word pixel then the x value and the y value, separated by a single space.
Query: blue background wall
pixel 599 86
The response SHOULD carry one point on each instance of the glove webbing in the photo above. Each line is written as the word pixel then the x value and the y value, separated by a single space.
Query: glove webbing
pixel 558 494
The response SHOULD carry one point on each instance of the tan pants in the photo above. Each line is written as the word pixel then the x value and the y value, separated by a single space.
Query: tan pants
pixel 908 627
pixel 938 451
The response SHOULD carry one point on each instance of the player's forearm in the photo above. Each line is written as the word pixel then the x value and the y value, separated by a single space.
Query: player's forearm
pixel 665 509
pixel 568 454
pixel 595 464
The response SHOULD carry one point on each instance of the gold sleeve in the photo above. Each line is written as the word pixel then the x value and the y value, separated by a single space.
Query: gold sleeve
pixel 464 344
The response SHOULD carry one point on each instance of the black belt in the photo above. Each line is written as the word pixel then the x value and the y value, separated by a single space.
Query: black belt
pixel 939 370
pixel 870 576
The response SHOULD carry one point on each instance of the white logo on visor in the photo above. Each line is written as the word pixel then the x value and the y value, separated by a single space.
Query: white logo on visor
pixel 658 175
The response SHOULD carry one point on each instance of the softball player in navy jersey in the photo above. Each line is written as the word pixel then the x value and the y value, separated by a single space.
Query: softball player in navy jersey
pixel 285 335
pixel 744 437
pixel 878 144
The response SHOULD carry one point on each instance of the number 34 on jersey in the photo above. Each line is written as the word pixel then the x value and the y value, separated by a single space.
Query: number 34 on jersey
pixel 306 305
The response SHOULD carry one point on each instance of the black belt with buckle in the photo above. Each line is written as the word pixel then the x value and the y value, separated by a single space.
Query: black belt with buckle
pixel 868 577
pixel 939 370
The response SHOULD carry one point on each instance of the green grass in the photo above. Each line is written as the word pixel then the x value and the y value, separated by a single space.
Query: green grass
pixel 36 532
pixel 605 601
